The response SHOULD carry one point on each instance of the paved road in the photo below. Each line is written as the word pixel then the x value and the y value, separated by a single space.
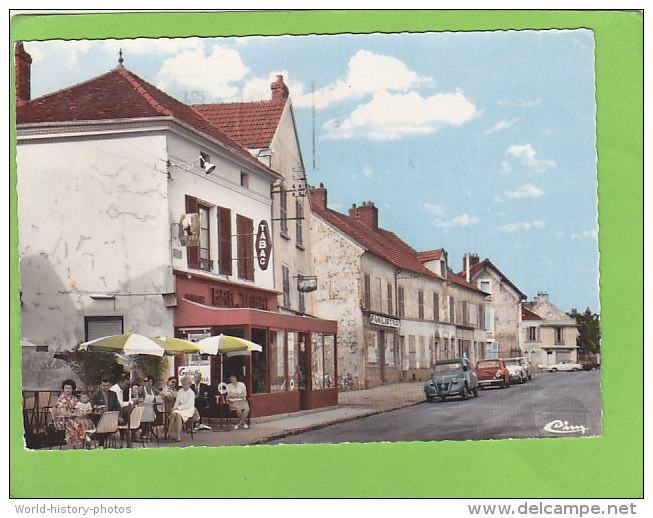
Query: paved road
pixel 520 411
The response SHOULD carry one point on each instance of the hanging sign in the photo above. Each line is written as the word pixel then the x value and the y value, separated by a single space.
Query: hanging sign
pixel 189 230
pixel 263 245
pixel 306 284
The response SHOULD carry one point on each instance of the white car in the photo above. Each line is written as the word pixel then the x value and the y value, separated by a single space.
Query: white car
pixel 526 366
pixel 517 372
pixel 565 365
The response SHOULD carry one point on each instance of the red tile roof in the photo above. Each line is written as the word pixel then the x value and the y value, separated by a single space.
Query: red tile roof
pixel 119 94
pixel 252 124
pixel 527 314
pixel 476 268
pixel 430 255
pixel 381 243
pixel 461 281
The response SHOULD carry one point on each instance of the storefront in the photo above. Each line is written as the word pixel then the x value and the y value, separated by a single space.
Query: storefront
pixel 383 353
pixel 297 369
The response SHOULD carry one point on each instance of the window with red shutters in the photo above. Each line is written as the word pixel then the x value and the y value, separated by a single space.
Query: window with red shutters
pixel 245 247
pixel 224 239
pixel 192 252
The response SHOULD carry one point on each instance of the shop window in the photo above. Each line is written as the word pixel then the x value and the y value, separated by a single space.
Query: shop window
pixel 317 360
pixel 372 347
pixel 224 240
pixel 259 363
pixel 99 327
pixel 329 361
pixel 245 247
pixel 277 356
pixel 293 379
pixel 302 348
pixel 390 297
pixel 389 349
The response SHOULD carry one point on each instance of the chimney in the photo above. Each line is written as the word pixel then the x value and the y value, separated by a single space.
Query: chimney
pixel 367 214
pixel 473 260
pixel 319 197
pixel 279 89
pixel 22 62
pixel 542 296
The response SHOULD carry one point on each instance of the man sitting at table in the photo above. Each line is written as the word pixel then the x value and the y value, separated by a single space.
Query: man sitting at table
pixel 105 399
pixel 121 389
pixel 203 394
pixel 183 410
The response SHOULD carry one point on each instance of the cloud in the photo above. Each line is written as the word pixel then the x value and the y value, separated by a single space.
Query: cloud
pixel 459 221
pixel 153 46
pixel 437 210
pixel 392 116
pixel 65 53
pixel 591 233
pixel 512 227
pixel 501 125
pixel 367 171
pixel 212 73
pixel 525 191
pixel 505 167
pixel 367 74
pixel 526 156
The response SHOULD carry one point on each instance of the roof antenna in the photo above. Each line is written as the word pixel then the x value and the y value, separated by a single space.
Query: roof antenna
pixel 120 60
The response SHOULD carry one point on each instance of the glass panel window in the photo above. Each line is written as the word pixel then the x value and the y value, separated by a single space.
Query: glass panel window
pixel 372 347
pixel 99 327
pixel 205 241
pixel 277 350
pixel 259 363
pixel 303 359
pixel 293 378
pixel 329 361
pixel 317 360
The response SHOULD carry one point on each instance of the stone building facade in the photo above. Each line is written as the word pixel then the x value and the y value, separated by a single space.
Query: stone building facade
pixel 502 307
pixel 398 310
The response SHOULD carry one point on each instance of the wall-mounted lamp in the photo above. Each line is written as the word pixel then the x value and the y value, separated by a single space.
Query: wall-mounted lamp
pixel 203 161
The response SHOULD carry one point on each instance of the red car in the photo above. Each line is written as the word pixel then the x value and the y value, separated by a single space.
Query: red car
pixel 492 373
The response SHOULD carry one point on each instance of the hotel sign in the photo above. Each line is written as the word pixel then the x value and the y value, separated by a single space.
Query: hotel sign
pixel 263 245
pixel 384 321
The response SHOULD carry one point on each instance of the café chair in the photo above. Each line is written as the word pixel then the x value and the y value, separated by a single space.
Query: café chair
pixel 106 428
pixel 134 424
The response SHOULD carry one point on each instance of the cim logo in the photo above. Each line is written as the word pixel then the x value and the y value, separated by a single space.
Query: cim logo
pixel 562 427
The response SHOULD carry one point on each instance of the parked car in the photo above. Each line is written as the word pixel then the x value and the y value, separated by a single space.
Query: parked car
pixel 565 365
pixel 515 370
pixel 453 377
pixel 492 373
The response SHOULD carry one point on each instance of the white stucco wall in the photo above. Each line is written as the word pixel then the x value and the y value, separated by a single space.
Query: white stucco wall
pixel 221 188
pixel 92 219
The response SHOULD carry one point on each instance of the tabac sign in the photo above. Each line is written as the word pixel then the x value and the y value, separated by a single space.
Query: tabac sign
pixel 263 245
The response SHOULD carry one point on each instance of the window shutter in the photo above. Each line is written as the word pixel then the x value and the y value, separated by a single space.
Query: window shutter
pixel 245 247
pixel 224 229
pixel 192 252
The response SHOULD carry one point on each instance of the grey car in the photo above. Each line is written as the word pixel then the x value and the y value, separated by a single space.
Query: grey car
pixel 452 377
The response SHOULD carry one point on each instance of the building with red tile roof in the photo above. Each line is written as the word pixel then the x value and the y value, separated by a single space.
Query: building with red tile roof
pixel 397 314
pixel 137 214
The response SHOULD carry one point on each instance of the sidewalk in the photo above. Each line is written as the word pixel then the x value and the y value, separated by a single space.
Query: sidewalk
pixel 351 405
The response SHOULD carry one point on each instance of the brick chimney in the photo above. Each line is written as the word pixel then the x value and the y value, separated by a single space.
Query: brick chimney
pixel 319 196
pixel 473 260
pixel 279 89
pixel 23 62
pixel 367 214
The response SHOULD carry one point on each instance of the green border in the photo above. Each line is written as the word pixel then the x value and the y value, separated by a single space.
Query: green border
pixel 607 466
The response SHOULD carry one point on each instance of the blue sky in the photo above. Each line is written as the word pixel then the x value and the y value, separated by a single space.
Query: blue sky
pixel 475 142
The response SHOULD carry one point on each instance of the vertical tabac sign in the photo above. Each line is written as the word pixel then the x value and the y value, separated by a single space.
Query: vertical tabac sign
pixel 263 245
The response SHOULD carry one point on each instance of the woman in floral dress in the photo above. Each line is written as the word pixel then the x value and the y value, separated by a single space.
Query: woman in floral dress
pixel 67 418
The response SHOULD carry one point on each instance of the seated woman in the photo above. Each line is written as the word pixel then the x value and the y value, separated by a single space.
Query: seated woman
pixel 183 409
pixel 237 399
pixel 66 414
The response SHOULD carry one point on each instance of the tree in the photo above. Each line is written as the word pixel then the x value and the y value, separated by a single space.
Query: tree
pixel 589 337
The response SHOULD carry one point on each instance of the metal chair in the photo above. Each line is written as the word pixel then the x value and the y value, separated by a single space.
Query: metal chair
pixel 148 427
pixel 134 424
pixel 106 428
pixel 55 433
